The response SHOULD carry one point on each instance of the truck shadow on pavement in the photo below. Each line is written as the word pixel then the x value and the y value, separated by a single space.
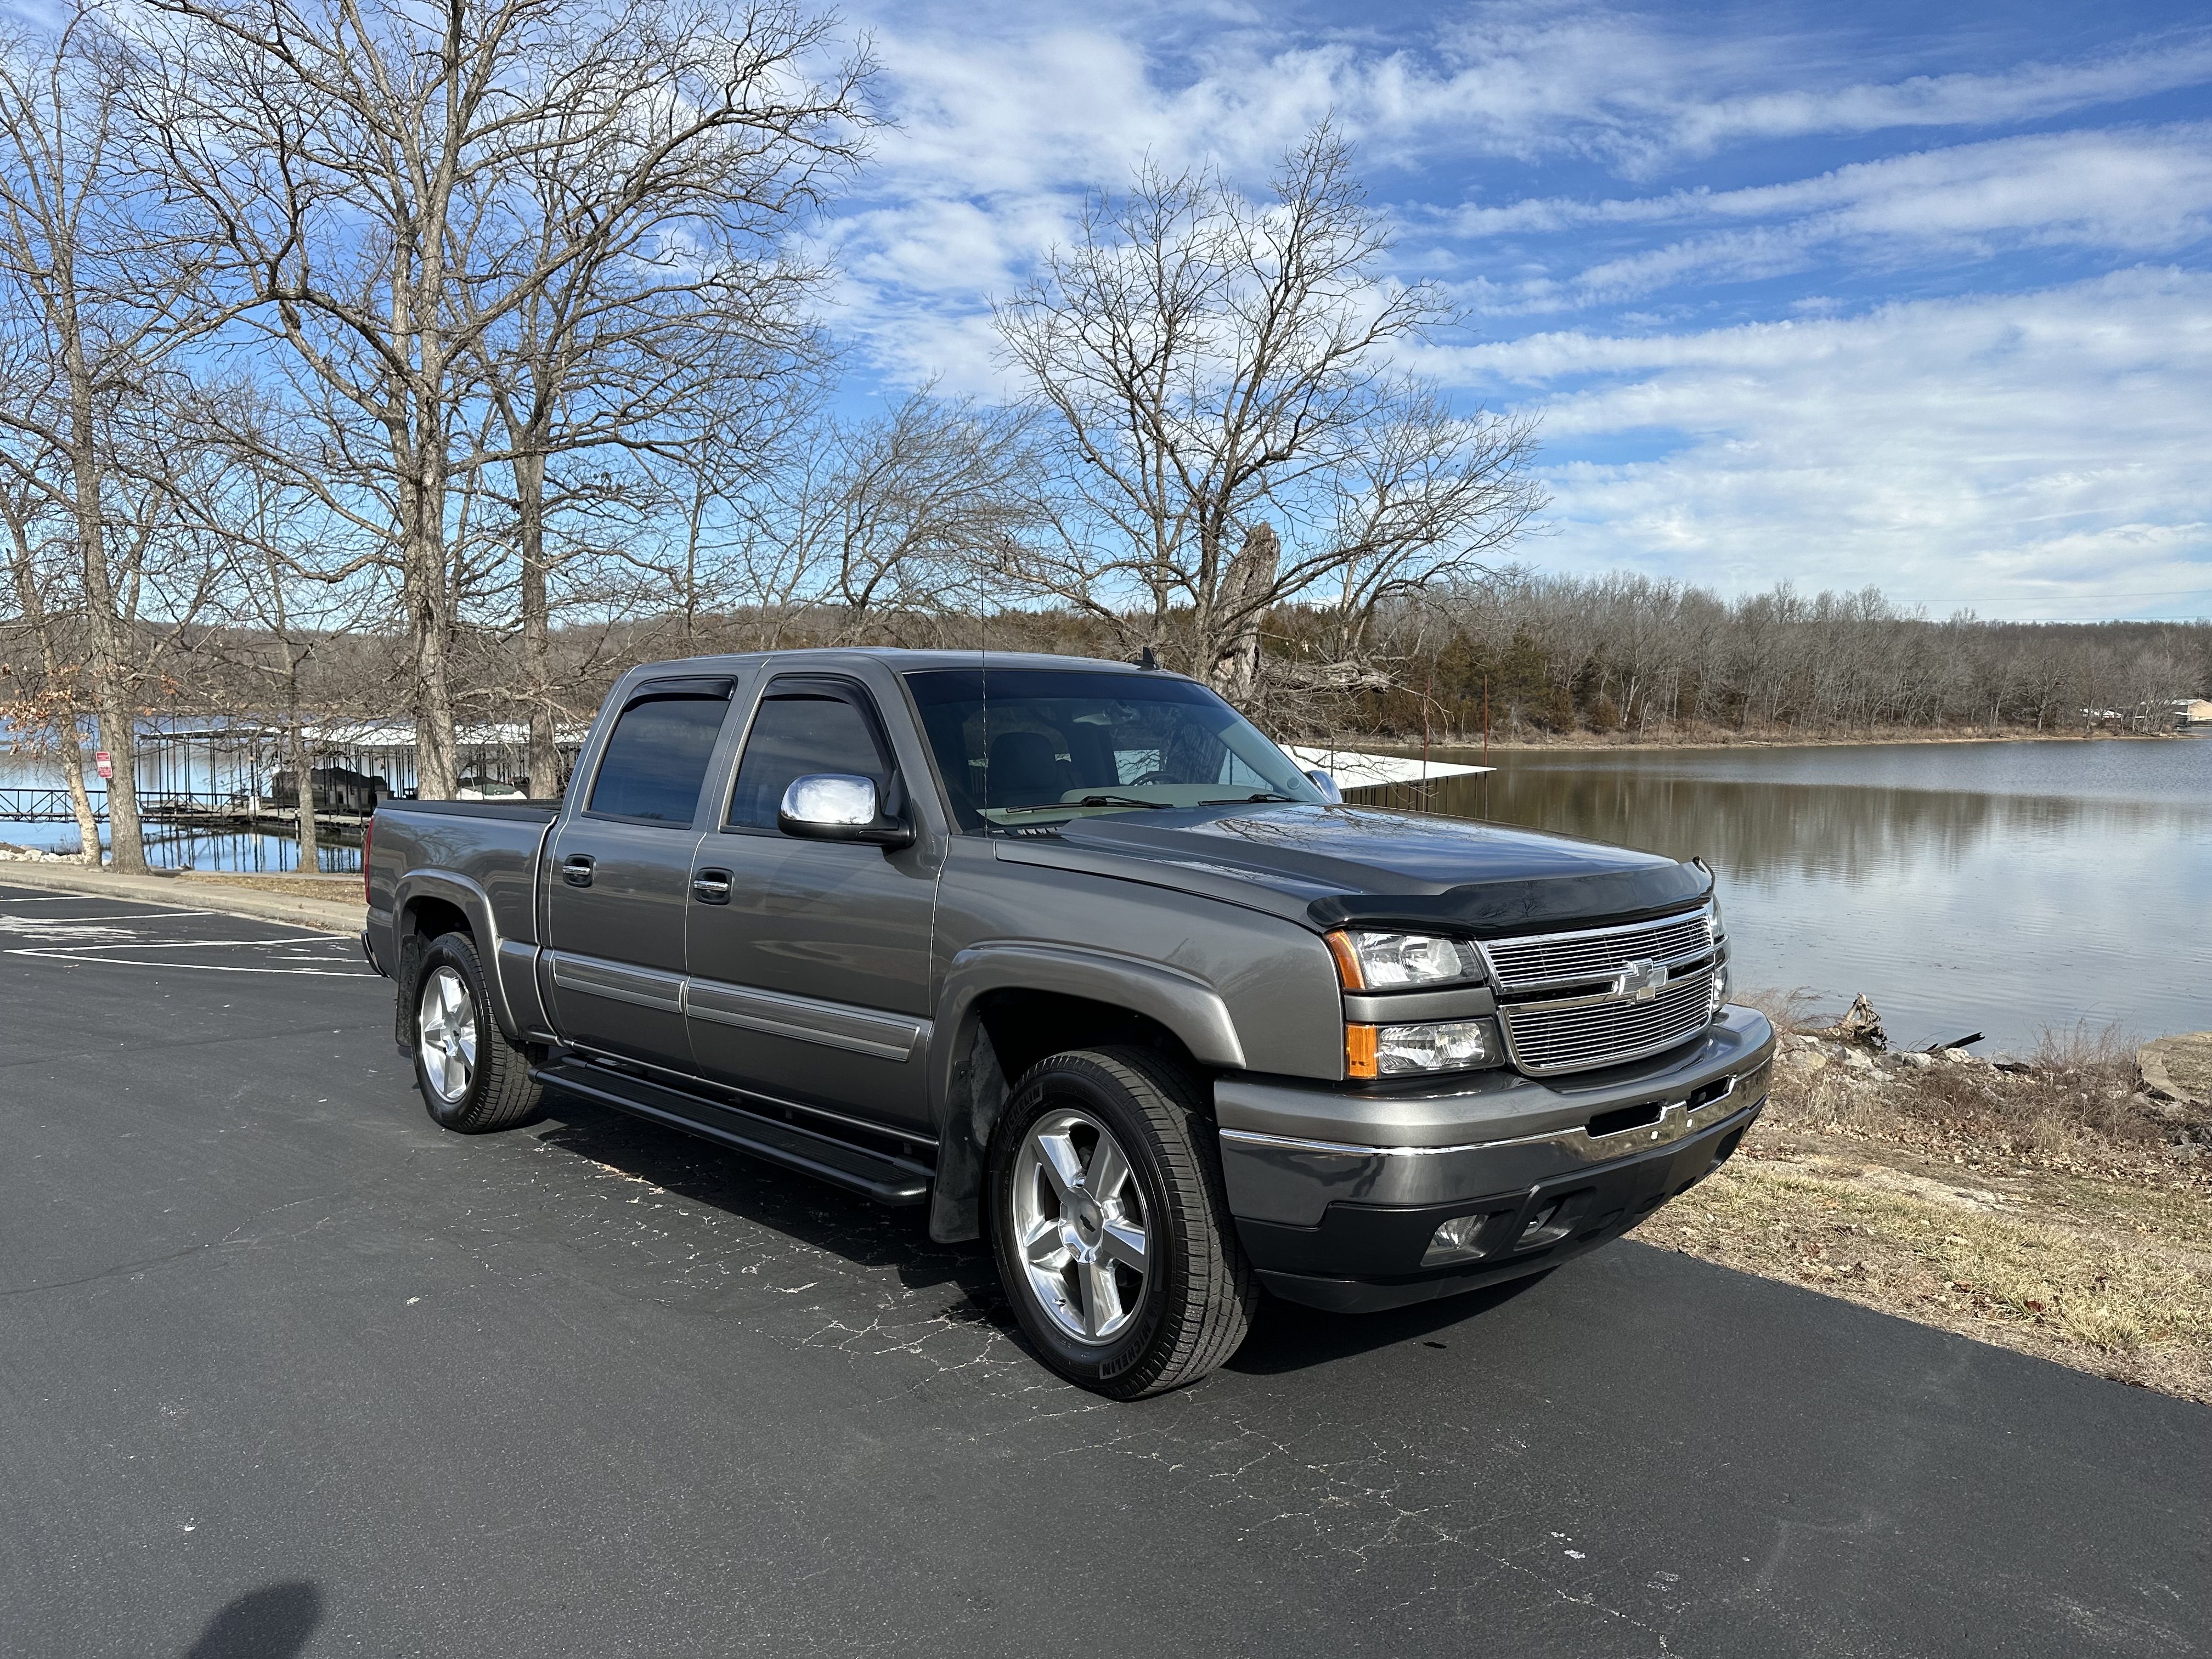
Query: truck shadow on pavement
pixel 1289 1338
pixel 273 1622
pixel 879 1241
pixel 810 1212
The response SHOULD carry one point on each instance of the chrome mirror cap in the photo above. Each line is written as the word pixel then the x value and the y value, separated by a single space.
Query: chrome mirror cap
pixel 1325 784
pixel 828 799
pixel 843 806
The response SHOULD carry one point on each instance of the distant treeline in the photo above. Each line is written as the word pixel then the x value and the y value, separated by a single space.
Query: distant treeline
pixel 1554 657
pixel 1624 654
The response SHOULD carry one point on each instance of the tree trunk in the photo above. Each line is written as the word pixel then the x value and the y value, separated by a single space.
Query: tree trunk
pixel 1231 652
pixel 111 707
pixel 437 765
pixel 543 757
pixel 34 607
pixel 303 767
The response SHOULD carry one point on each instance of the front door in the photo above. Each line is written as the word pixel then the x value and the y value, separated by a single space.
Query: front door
pixel 620 884
pixel 810 981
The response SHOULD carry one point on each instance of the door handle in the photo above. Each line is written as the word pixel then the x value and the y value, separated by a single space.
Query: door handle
pixel 576 869
pixel 711 886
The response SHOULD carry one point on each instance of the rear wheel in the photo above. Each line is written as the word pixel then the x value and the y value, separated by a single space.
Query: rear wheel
pixel 1112 1230
pixel 472 1079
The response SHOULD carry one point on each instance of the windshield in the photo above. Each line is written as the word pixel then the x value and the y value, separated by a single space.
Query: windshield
pixel 1053 745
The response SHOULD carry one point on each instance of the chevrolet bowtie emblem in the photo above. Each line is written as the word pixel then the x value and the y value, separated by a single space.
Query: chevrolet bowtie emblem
pixel 1640 981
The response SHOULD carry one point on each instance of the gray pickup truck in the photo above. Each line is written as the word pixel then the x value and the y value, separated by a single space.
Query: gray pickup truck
pixel 1070 953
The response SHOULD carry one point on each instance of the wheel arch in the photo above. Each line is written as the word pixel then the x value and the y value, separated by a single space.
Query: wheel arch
pixel 430 902
pixel 1007 1006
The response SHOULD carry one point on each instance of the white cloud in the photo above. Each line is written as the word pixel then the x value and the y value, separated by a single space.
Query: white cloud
pixel 2115 193
pixel 2025 93
pixel 2035 455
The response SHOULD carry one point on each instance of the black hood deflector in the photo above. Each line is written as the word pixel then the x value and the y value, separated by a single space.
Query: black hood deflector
pixel 1486 908
pixel 1334 867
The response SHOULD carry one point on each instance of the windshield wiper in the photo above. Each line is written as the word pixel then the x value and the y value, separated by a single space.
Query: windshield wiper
pixel 1242 800
pixel 1088 800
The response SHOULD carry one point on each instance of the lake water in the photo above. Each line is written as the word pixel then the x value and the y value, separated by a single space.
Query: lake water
pixel 338 852
pixel 2001 887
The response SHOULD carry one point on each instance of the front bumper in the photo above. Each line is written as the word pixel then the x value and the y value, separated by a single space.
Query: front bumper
pixel 1341 1212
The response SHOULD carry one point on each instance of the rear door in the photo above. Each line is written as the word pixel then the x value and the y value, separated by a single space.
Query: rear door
pixel 811 982
pixel 620 873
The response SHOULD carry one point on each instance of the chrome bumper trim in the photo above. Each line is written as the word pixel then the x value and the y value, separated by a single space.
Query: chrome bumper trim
pixel 1677 1120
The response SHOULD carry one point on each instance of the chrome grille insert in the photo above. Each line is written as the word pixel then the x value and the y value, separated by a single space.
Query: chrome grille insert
pixel 1550 960
pixel 1631 991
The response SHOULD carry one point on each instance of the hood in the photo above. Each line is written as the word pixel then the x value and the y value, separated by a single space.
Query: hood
pixel 1334 866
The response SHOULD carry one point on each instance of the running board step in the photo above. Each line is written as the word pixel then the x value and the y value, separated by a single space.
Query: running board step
pixel 878 1175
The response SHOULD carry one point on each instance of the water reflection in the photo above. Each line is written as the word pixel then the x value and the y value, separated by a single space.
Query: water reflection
pixel 1813 830
pixel 2001 887
pixel 257 852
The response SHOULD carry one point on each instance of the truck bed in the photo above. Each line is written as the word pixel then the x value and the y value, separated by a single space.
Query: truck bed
pixel 492 846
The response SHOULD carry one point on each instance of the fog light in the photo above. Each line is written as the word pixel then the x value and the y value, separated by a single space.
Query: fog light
pixel 1455 1241
pixel 1443 1045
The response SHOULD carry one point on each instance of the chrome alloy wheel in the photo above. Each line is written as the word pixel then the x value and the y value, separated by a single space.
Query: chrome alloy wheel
pixel 1079 1224
pixel 446 1027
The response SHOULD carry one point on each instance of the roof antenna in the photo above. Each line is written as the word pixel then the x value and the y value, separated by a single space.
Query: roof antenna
pixel 1150 659
pixel 983 667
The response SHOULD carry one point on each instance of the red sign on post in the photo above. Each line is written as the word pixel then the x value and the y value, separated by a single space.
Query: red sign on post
pixel 103 764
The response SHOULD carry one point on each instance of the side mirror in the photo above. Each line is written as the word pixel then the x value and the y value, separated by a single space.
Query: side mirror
pixel 1327 785
pixel 841 807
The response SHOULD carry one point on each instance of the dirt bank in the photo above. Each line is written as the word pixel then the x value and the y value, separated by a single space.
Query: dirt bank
pixel 2053 1206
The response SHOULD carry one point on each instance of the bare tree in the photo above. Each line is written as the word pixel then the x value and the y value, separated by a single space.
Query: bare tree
pixel 286 594
pixel 906 507
pixel 354 160
pixel 1210 365
pixel 682 304
pixel 50 709
pixel 100 294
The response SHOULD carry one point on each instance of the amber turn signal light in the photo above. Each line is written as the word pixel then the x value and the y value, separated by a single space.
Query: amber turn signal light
pixel 1359 1050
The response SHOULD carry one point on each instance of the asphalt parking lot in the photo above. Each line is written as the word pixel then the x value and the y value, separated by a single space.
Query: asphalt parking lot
pixel 285 1369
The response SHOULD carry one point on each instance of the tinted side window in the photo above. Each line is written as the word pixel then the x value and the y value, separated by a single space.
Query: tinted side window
pixel 797 733
pixel 657 759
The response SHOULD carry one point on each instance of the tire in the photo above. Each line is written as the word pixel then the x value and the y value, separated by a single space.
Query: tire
pixel 472 1079
pixel 1071 1222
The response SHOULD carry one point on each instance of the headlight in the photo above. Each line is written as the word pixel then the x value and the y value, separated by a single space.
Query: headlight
pixel 1439 1045
pixel 1385 962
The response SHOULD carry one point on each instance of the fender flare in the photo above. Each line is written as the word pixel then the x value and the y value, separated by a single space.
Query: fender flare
pixel 465 895
pixel 967 1086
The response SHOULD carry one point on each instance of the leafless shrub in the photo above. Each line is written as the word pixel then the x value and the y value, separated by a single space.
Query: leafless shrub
pixel 1789 1012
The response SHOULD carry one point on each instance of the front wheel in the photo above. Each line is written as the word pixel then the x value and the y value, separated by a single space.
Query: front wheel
pixel 1111 1227
pixel 472 1080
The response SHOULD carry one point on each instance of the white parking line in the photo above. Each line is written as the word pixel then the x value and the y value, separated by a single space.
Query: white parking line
pixel 61 898
pixel 142 915
pixel 84 953
pixel 194 943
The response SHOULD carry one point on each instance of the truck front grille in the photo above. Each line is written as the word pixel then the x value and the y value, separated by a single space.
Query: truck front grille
pixel 1570 1002
pixel 1582 1033
pixel 1559 959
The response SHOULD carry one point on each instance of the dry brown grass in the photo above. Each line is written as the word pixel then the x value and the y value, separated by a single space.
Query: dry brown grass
pixel 2055 1210
pixel 298 886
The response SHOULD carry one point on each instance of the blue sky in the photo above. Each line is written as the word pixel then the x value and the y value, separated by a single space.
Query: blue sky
pixel 1915 297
